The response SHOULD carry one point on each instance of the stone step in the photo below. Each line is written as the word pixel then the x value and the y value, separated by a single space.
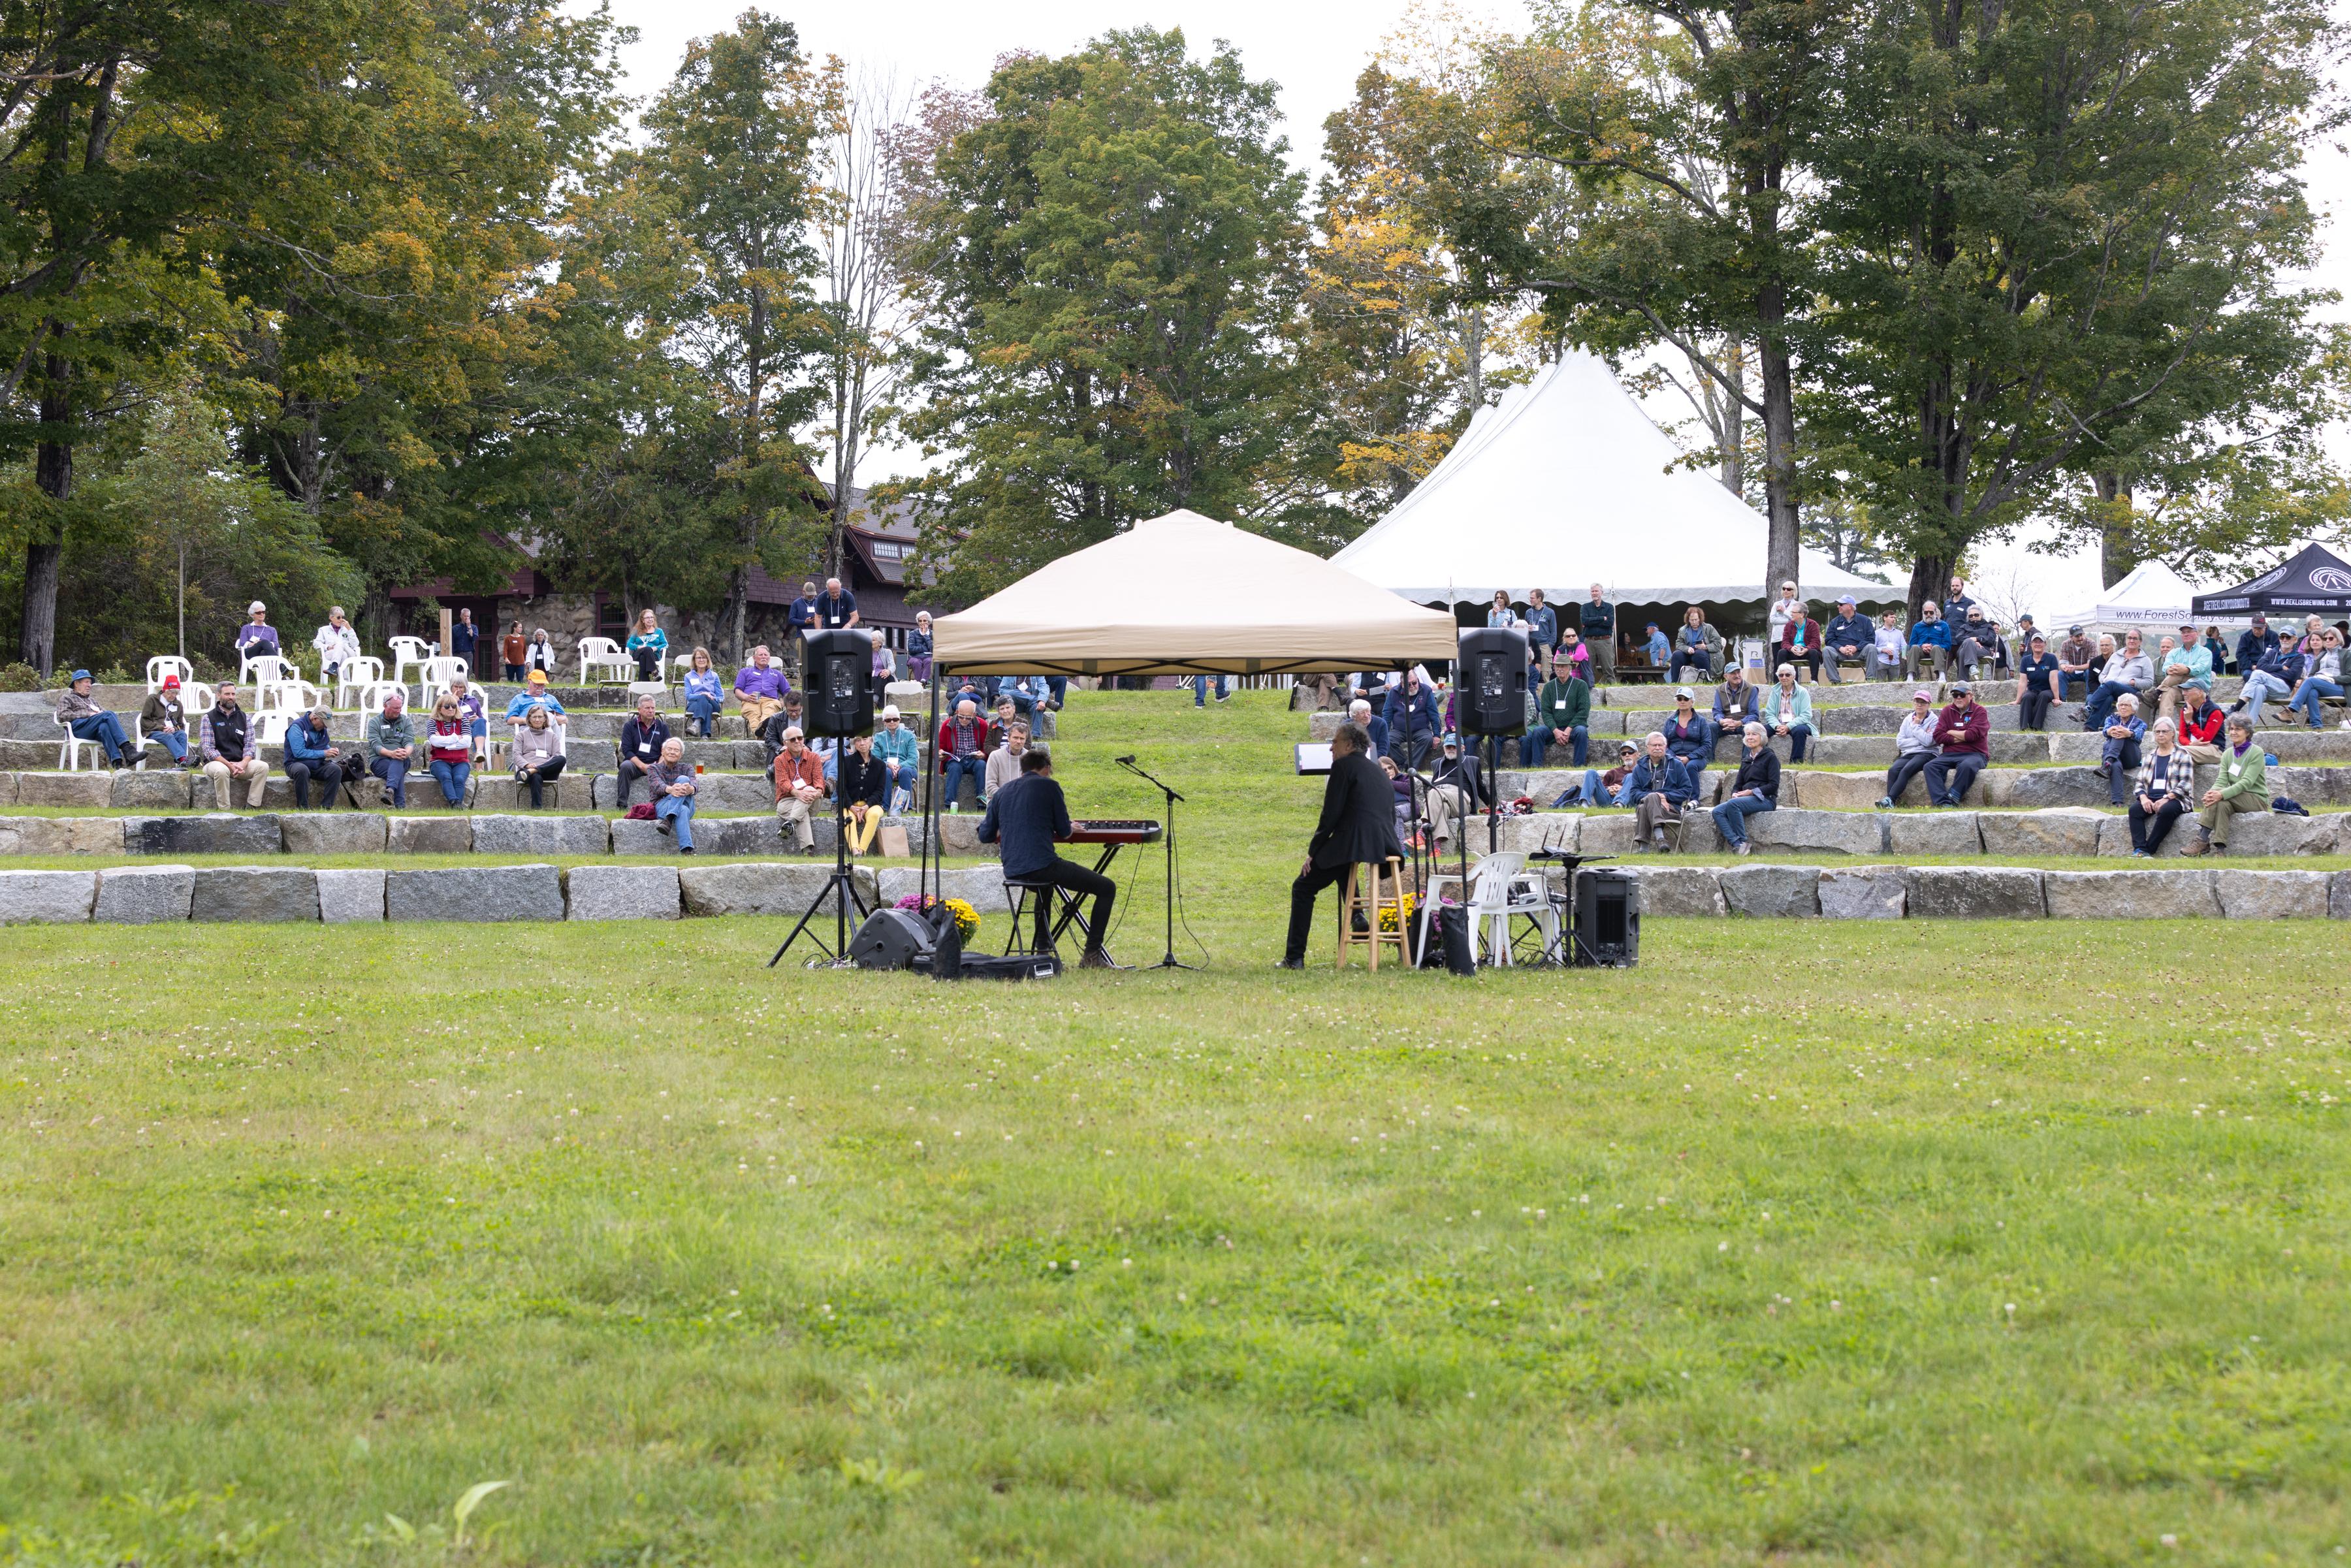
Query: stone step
pixel 2023 789
pixel 1990 892
pixel 2055 831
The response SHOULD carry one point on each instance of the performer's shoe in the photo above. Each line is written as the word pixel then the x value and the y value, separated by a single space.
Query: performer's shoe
pixel 1095 958
pixel 1290 964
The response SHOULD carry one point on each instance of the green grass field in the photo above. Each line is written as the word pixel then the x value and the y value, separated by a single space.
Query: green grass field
pixel 1872 1244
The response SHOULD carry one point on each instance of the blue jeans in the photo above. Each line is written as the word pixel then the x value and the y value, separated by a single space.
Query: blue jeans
pixel 1543 736
pixel 393 771
pixel 2261 687
pixel 703 710
pixel 2120 758
pixel 1596 793
pixel 1798 734
pixel 678 811
pixel 1059 686
pixel 452 776
pixel 2305 700
pixel 1941 791
pixel 1730 817
pixel 2059 682
pixel 1200 690
pixel 107 730
pixel 901 785
pixel 175 741
pixel 956 770
pixel 2102 703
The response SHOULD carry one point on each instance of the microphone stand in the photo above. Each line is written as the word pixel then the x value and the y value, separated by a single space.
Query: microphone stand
pixel 1170 961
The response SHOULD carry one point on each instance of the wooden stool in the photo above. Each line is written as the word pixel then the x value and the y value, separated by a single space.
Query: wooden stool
pixel 1387 899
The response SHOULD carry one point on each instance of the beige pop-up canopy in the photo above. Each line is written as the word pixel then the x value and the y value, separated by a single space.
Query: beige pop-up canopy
pixel 1186 594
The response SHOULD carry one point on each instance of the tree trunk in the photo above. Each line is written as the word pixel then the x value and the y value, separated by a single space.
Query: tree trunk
pixel 2116 555
pixel 1780 557
pixel 53 475
pixel 1929 575
pixel 1473 358
pixel 1732 442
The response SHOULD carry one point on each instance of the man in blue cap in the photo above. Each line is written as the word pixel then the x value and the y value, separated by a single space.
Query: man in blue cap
pixel 80 714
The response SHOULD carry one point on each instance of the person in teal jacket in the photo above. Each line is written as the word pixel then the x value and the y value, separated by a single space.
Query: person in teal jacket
pixel 1787 710
pixel 900 754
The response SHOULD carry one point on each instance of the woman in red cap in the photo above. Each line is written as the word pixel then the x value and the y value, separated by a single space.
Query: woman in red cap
pixel 164 721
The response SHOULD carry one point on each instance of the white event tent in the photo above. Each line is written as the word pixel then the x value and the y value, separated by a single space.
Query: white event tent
pixel 2153 597
pixel 1565 483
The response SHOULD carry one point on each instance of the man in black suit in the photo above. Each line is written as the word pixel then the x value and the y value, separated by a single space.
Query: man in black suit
pixel 1358 825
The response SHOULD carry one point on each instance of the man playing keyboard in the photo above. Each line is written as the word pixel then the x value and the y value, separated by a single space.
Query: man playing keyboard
pixel 1029 817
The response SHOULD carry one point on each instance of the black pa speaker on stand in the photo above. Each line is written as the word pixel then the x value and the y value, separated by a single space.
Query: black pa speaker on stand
pixel 1492 681
pixel 1607 920
pixel 837 696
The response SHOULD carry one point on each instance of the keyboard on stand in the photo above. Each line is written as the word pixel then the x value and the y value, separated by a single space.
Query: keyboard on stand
pixel 1106 830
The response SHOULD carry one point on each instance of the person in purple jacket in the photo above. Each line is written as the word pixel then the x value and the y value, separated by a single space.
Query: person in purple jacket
pixel 759 687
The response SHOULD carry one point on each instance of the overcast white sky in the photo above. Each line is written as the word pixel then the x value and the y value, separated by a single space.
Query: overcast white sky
pixel 1314 48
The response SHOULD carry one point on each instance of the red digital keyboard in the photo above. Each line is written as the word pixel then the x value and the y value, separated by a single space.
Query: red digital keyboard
pixel 1104 831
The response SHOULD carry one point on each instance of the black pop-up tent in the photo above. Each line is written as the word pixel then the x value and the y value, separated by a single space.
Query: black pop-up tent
pixel 2316 581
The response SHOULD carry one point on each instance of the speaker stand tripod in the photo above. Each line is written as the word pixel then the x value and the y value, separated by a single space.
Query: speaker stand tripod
pixel 1169 961
pixel 841 884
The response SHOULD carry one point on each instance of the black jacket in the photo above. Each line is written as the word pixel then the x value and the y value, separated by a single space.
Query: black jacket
pixel 1358 822
pixel 1464 773
pixel 1029 817
pixel 643 749
pixel 862 779
pixel 1761 773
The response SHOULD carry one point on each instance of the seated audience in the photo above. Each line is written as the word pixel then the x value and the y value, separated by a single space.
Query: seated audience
pixel 1737 705
pixel 1914 748
pixel 1964 733
pixel 703 696
pixel 1930 645
pixel 449 750
pixel 1411 719
pixel 642 735
pixel 1660 787
pixel 1003 762
pixel 1000 723
pixel 1756 788
pixel 79 713
pixel 2165 789
pixel 672 781
pixel 313 757
pixel 2077 659
pixel 337 645
pixel 2255 643
pixel 2037 683
pixel 1690 733
pixel 256 637
pixel 918 648
pixel 538 756
pixel 2200 719
pixel 899 754
pixel 1563 713
pixel 2128 669
pixel 2118 758
pixel 1359 711
pixel 391 746
pixel 2241 789
pixel 760 688
pixel 474 712
pixel 230 743
pixel 648 645
pixel 1890 649
pixel 1573 654
pixel 164 721
pixel 865 792
pixel 2276 670
pixel 1975 643
pixel 1799 641
pixel 884 669
pixel 1787 710
pixel 1609 788
pixel 1456 791
pixel 771 733
pixel 2325 679
pixel 1696 646
pixel 2188 664
pixel 962 749
pixel 534 693
pixel 799 789
pixel 1847 639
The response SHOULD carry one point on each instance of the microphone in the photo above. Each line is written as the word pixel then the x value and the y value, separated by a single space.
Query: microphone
pixel 1126 761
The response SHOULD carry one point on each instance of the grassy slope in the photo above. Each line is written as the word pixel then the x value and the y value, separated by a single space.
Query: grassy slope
pixel 1713 1262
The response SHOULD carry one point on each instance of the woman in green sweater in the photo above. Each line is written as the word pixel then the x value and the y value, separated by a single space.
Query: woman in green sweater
pixel 2244 785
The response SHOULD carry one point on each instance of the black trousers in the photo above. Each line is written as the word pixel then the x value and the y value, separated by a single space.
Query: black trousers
pixel 1083 882
pixel 1906 768
pixel 2147 832
pixel 629 772
pixel 649 662
pixel 328 776
pixel 2033 712
pixel 547 773
pixel 1941 789
pixel 1303 891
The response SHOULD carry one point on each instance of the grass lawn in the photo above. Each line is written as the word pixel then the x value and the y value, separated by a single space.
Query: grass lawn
pixel 1876 1244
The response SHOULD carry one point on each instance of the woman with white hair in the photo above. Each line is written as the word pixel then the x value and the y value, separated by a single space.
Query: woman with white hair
pixel 1787 710
pixel 257 636
pixel 1755 789
pixel 337 643
pixel 918 648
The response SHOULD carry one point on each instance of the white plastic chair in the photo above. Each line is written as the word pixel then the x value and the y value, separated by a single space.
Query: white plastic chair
pixel 265 670
pixel 1501 889
pixel 357 675
pixel 407 651
pixel 603 653
pixel 163 664
pixel 440 672
pixel 70 749
pixel 371 699
pixel 248 663
pixel 271 726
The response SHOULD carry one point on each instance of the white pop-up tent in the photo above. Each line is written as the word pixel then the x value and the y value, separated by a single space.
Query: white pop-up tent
pixel 1566 483
pixel 1184 595
pixel 2152 596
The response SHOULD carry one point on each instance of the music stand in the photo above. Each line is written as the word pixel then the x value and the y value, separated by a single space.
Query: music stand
pixel 1169 961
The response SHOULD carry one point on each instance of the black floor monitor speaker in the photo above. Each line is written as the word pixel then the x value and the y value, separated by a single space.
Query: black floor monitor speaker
pixel 891 939
pixel 1607 919
pixel 1493 681
pixel 837 698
